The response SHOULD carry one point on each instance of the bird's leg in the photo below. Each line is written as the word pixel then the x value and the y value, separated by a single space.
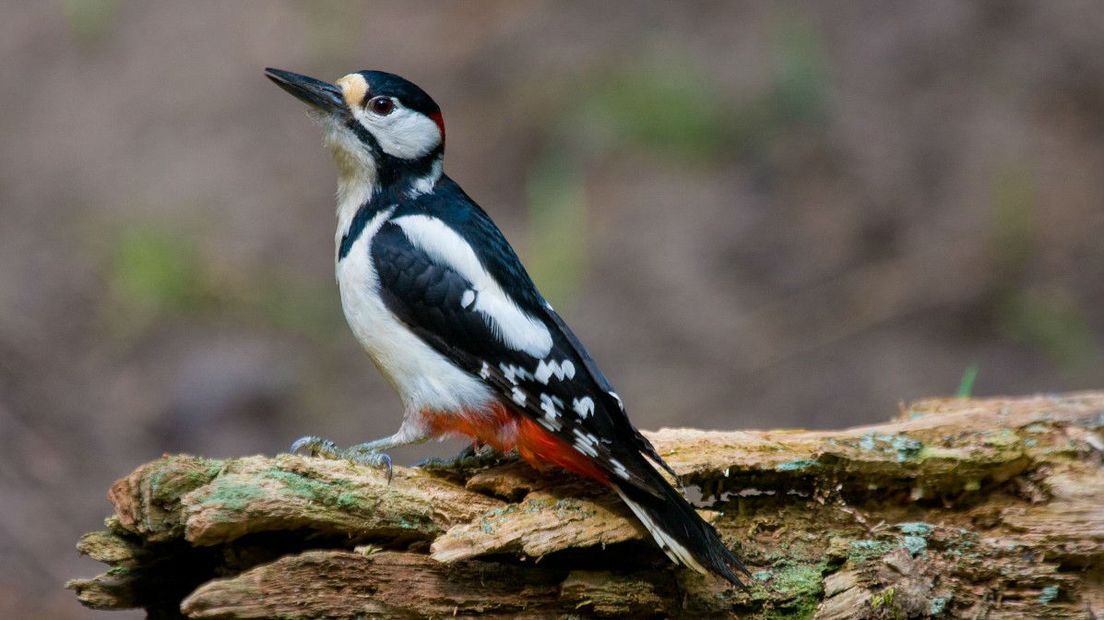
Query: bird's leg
pixel 368 453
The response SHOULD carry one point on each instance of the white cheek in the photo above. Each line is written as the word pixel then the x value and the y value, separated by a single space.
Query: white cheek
pixel 403 133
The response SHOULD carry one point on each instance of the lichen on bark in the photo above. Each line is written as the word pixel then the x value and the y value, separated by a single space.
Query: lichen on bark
pixel 956 508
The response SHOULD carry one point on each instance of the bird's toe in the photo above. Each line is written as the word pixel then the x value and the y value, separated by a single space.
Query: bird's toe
pixel 312 445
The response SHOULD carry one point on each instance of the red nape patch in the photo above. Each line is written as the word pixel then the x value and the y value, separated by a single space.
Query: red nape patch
pixel 439 119
pixel 504 430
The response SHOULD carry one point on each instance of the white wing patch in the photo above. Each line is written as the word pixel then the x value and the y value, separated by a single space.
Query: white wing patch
pixel 518 396
pixel 514 374
pixel 585 442
pixel 548 405
pixel 619 469
pixel 583 406
pixel 424 378
pixel 510 323
pixel 617 398
pixel 551 419
pixel 546 369
pixel 467 299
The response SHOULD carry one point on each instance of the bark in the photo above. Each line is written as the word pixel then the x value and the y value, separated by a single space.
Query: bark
pixel 957 508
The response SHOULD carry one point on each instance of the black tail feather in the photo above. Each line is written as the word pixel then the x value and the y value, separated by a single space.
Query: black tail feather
pixel 682 534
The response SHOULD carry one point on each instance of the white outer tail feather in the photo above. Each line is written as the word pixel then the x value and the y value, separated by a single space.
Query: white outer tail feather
pixel 674 550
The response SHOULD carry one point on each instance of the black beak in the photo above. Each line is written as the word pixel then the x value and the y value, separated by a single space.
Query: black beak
pixel 321 95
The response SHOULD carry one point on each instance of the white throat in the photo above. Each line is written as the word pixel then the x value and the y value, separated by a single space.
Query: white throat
pixel 356 172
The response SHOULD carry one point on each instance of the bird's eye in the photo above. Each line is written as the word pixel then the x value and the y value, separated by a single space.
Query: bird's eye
pixel 381 105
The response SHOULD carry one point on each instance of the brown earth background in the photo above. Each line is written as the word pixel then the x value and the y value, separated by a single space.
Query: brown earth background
pixel 756 215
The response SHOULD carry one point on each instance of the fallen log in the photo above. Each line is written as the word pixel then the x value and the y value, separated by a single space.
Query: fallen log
pixel 957 508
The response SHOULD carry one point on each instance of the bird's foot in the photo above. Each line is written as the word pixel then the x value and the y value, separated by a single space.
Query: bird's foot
pixel 312 445
pixel 364 453
pixel 447 463
pixel 471 457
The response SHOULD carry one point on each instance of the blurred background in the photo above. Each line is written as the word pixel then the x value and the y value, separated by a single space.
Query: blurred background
pixel 755 215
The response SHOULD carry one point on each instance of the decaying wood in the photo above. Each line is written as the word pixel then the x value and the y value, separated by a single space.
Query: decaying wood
pixel 958 508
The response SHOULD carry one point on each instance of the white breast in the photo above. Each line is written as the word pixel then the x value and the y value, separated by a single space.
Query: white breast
pixel 423 378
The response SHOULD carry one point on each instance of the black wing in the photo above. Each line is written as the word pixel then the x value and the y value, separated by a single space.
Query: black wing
pixel 613 402
pixel 563 391
pixel 449 202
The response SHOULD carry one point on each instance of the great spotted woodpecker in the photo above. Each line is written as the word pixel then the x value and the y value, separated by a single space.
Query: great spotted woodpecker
pixel 447 312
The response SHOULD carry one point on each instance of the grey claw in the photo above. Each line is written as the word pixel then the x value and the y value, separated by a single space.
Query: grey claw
pixel 302 442
pixel 367 457
pixel 363 454
pixel 312 445
pixel 386 458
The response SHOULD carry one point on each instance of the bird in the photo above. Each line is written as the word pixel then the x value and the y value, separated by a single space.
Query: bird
pixel 448 314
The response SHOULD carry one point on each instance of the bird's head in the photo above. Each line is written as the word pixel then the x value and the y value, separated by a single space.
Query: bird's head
pixel 382 129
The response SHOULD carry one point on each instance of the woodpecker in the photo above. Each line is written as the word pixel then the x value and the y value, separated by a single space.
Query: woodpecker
pixel 446 311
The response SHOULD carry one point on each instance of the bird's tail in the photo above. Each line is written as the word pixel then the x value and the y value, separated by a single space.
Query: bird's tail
pixel 680 532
